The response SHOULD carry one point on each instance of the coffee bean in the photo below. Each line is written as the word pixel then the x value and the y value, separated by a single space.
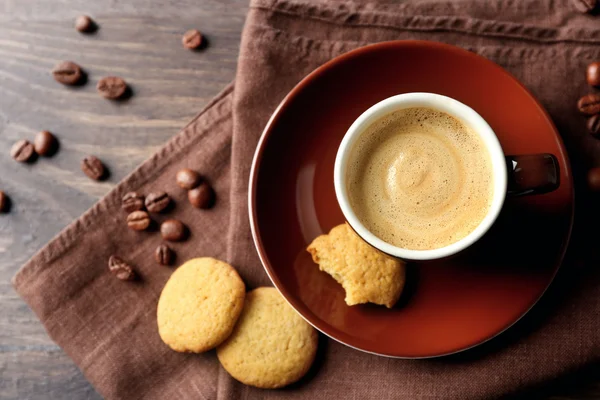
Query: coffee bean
pixel 157 202
pixel 173 230
pixel 589 104
pixel 202 197
pixel 67 73
pixel 593 179
pixel 84 24
pixel 592 73
pixel 93 168
pixel 22 151
pixel 593 125
pixel 45 143
pixel 188 179
pixel 585 6
pixel 121 269
pixel 132 202
pixel 138 220
pixel 164 255
pixel 111 87
pixel 192 39
pixel 3 202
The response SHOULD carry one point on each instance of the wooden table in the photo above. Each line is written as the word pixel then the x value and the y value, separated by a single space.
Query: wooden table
pixel 140 41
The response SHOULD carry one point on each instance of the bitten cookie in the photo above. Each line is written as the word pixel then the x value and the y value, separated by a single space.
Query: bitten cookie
pixel 200 305
pixel 366 274
pixel 271 346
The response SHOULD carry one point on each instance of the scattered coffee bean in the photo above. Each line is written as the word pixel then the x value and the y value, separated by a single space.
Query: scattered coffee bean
pixel 67 73
pixel 45 143
pixel 589 104
pixel 203 196
pixel 593 179
pixel 593 125
pixel 188 179
pixel 164 255
pixel 138 220
pixel 593 73
pixel 22 151
pixel 3 202
pixel 121 269
pixel 585 6
pixel 111 87
pixel 84 24
pixel 132 202
pixel 173 230
pixel 157 202
pixel 192 39
pixel 93 168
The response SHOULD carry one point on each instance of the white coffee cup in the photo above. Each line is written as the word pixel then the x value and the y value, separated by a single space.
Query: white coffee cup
pixel 470 118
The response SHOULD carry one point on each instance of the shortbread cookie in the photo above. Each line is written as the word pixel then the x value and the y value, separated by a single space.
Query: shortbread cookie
pixel 366 274
pixel 271 346
pixel 200 305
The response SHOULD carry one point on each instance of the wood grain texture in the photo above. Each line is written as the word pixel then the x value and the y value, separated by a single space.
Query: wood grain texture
pixel 138 40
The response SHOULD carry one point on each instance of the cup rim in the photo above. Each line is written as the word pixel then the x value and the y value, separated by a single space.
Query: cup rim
pixel 456 109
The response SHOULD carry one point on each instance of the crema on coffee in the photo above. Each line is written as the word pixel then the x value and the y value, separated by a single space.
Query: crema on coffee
pixel 419 179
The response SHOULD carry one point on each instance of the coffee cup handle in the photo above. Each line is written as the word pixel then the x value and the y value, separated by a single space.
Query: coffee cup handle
pixel 532 174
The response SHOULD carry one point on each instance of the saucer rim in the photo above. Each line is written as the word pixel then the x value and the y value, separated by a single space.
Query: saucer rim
pixel 306 81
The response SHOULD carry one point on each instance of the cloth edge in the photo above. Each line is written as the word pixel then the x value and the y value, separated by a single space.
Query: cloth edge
pixel 379 16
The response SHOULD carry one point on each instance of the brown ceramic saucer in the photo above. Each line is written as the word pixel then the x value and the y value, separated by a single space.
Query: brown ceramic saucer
pixel 447 306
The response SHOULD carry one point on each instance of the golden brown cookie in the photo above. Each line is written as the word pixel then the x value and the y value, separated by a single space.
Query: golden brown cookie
pixel 271 346
pixel 366 274
pixel 200 305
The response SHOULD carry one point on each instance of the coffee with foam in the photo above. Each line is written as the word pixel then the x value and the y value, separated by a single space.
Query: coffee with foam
pixel 419 179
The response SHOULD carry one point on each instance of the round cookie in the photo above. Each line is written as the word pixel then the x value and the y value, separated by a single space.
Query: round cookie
pixel 200 305
pixel 271 346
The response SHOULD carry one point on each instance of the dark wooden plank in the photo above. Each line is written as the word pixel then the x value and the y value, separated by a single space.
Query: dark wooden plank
pixel 202 10
pixel 40 373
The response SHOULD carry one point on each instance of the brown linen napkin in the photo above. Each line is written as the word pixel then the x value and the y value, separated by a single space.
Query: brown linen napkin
pixel 108 327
